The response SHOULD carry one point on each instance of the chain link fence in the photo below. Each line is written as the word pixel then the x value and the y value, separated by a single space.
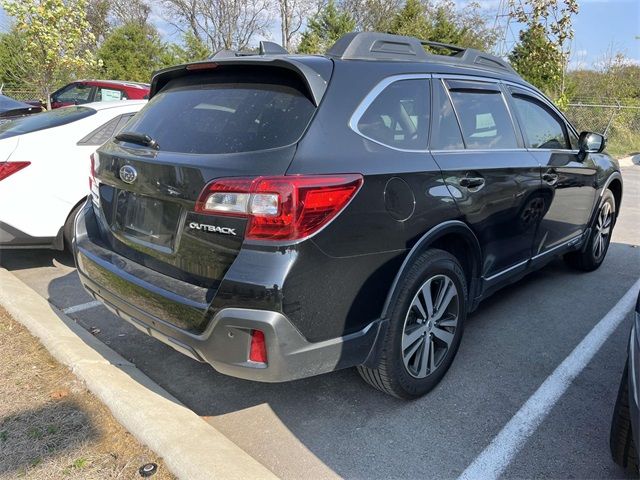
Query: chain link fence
pixel 618 120
pixel 21 94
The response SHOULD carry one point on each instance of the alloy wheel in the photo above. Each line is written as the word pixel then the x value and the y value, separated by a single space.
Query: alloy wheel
pixel 430 325
pixel 603 230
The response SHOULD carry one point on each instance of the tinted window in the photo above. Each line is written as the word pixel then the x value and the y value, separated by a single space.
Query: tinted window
pixel 103 133
pixel 446 133
pixel 44 120
pixel 399 116
pixel 225 117
pixel 484 119
pixel 541 129
pixel 573 140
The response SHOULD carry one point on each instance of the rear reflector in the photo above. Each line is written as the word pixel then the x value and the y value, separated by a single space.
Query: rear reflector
pixel 258 352
pixel 281 208
pixel 9 168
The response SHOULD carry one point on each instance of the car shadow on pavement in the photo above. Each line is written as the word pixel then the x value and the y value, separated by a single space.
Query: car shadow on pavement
pixel 330 423
pixel 32 258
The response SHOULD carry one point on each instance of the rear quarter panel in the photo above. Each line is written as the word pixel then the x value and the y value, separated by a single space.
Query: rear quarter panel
pixel 38 199
pixel 357 256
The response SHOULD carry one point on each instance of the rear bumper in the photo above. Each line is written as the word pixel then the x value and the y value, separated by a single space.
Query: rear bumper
pixel 225 343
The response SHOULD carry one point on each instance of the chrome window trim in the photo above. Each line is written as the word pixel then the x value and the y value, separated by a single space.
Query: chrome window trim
pixel 479 150
pixel 457 76
pixel 373 95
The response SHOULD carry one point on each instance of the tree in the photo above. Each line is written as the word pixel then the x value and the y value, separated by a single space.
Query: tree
pixel 56 33
pixel 441 21
pixel 292 14
pixel 551 18
pixel 133 52
pixel 220 24
pixel 372 15
pixel 13 74
pixel 412 21
pixel 130 11
pixel 325 28
pixel 537 60
pixel 98 18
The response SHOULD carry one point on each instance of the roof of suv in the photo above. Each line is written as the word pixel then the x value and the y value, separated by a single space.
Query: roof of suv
pixel 370 47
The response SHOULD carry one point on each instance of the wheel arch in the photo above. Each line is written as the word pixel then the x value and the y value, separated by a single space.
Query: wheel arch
pixel 614 183
pixel 453 236
pixel 58 243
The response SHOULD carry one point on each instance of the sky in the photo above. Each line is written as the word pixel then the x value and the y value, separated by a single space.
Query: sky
pixel 601 26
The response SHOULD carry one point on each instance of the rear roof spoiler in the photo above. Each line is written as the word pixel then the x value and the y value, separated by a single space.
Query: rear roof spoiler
pixel 314 80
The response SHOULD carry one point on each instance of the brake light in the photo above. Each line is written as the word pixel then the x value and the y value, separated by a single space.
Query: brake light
pixel 281 208
pixel 258 351
pixel 9 168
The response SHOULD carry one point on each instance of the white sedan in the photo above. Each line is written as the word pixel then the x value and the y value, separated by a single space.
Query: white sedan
pixel 44 169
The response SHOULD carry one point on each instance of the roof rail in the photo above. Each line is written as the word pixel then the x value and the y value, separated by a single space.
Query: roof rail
pixel 385 46
pixel 266 48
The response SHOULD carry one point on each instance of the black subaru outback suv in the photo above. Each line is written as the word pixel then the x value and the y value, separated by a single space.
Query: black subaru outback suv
pixel 280 216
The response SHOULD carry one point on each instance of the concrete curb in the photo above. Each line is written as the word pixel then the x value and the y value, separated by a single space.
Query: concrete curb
pixel 626 161
pixel 191 448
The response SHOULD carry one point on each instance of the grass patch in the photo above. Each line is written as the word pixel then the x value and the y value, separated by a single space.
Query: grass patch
pixel 51 426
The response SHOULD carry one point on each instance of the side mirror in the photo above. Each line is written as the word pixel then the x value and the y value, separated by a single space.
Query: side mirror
pixel 590 142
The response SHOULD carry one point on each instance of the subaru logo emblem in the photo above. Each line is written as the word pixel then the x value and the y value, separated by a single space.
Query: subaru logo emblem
pixel 128 174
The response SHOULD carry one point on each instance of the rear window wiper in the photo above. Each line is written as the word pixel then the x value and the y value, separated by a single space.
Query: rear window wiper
pixel 139 138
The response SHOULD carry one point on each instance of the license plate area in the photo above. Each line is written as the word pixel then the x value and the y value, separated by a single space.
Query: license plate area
pixel 147 219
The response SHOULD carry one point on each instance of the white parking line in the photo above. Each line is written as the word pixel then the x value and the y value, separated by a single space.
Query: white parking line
pixel 494 459
pixel 82 306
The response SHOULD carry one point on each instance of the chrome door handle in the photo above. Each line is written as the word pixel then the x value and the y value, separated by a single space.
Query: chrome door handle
pixel 550 177
pixel 471 182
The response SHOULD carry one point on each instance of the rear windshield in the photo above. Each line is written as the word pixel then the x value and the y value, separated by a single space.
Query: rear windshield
pixel 44 120
pixel 226 114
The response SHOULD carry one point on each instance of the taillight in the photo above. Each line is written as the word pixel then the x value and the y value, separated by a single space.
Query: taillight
pixel 280 208
pixel 258 350
pixel 9 168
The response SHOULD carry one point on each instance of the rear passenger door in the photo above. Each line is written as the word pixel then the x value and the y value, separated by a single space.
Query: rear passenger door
pixel 495 182
pixel 568 180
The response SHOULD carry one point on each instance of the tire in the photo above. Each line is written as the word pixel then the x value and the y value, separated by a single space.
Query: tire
pixel 621 443
pixel 418 348
pixel 68 228
pixel 592 256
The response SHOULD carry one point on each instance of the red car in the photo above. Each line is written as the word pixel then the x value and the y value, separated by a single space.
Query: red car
pixel 86 91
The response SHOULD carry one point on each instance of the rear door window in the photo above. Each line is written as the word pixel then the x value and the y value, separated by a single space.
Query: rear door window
pixel 445 134
pixel 44 120
pixel 226 115
pixel 483 116
pixel 399 116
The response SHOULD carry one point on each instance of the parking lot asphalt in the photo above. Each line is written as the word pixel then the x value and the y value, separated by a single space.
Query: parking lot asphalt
pixel 335 425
